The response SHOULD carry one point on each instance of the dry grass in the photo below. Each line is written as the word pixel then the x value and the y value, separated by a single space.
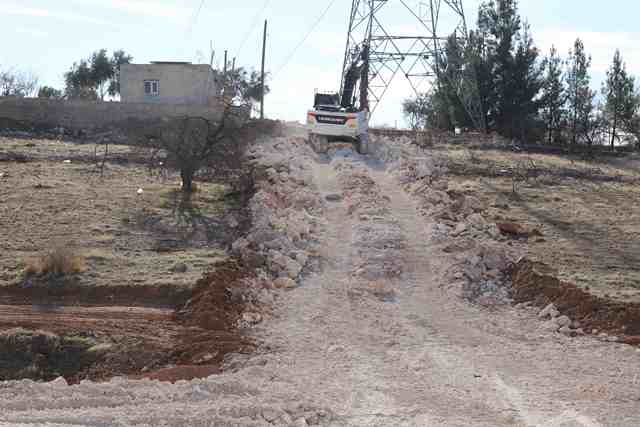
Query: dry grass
pixel 117 230
pixel 59 261
pixel 588 212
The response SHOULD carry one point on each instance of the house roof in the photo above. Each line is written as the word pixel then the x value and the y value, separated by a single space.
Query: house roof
pixel 170 63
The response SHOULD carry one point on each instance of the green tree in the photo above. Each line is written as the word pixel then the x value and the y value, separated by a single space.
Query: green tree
pixel 119 57
pixel 49 92
pixel 418 111
pixel 620 98
pixel 102 72
pixel 526 84
pixel 452 85
pixel 478 61
pixel 580 97
pixel 506 62
pixel 553 95
pixel 97 76
pixel 79 83
pixel 243 87
pixel 503 25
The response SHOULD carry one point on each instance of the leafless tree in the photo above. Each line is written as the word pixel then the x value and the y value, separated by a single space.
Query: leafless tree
pixel 16 83
pixel 191 144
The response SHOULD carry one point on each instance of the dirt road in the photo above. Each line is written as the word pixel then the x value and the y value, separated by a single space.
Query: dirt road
pixel 373 338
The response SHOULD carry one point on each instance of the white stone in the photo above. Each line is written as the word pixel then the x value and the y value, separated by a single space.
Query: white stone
pixel 550 326
pixel 563 321
pixel 460 228
pixel 252 318
pixel 549 311
pixel 565 330
pixel 477 221
pixel 285 283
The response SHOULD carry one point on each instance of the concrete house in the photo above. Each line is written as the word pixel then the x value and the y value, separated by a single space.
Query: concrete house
pixel 175 83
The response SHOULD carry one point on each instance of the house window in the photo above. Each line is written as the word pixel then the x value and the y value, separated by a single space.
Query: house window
pixel 151 87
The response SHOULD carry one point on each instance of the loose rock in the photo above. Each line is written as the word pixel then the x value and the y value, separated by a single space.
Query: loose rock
pixel 285 283
pixel 549 311
pixel 563 321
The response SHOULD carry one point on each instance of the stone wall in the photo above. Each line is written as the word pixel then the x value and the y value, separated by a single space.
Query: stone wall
pixel 431 137
pixel 90 116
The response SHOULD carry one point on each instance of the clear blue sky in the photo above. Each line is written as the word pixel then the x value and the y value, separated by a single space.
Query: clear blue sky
pixel 47 36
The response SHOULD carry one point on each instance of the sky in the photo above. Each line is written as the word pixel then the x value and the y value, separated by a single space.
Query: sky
pixel 45 37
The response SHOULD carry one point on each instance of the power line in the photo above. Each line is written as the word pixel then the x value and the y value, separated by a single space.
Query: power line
pixel 313 27
pixel 254 21
pixel 195 17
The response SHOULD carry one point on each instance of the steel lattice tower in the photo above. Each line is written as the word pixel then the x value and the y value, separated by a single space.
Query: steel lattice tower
pixel 391 37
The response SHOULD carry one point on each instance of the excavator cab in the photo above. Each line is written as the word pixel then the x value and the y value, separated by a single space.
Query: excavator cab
pixel 326 101
pixel 329 121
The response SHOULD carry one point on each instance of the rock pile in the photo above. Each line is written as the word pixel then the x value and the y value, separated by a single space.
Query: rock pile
pixel 460 224
pixel 285 211
pixel 555 322
pixel 487 282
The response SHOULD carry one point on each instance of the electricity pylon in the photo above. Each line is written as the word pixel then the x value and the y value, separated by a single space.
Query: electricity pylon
pixel 407 37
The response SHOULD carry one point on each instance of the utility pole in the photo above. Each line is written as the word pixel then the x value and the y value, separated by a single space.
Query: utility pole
pixel 224 77
pixel 264 51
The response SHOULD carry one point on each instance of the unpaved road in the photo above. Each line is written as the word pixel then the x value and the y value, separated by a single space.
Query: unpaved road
pixel 334 355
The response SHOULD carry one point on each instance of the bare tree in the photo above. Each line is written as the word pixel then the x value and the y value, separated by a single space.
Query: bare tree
pixel 17 83
pixel 193 143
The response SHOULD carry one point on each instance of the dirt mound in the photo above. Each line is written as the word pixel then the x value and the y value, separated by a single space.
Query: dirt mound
pixel 213 317
pixel 535 282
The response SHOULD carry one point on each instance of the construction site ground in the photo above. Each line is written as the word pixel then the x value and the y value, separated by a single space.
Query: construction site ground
pixel 143 251
pixel 385 298
pixel 587 212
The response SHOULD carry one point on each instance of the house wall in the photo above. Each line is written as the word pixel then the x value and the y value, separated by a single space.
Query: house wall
pixel 90 116
pixel 179 84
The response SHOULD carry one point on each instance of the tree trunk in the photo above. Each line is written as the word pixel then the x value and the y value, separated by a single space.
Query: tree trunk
pixel 187 180
pixel 613 133
pixel 550 126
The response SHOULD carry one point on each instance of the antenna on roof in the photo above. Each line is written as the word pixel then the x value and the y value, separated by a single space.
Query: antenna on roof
pixel 213 53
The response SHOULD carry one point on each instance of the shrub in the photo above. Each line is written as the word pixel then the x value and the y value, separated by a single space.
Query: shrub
pixel 60 261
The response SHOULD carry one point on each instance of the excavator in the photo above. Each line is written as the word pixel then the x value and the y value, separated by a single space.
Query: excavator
pixel 341 117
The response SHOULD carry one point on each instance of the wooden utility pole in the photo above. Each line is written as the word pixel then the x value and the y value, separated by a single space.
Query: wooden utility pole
pixel 224 77
pixel 264 50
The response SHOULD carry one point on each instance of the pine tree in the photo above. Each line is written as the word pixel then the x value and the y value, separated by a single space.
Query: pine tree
pixel 451 84
pixel 525 86
pixel 480 67
pixel 502 22
pixel 553 95
pixel 620 99
pixel 579 95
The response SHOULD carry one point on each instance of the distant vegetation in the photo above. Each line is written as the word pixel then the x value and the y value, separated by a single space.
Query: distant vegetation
pixel 520 94
pixel 17 83
pixel 95 77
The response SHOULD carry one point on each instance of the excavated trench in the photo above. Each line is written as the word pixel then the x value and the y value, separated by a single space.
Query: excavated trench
pixel 534 282
pixel 98 339
pixel 58 328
